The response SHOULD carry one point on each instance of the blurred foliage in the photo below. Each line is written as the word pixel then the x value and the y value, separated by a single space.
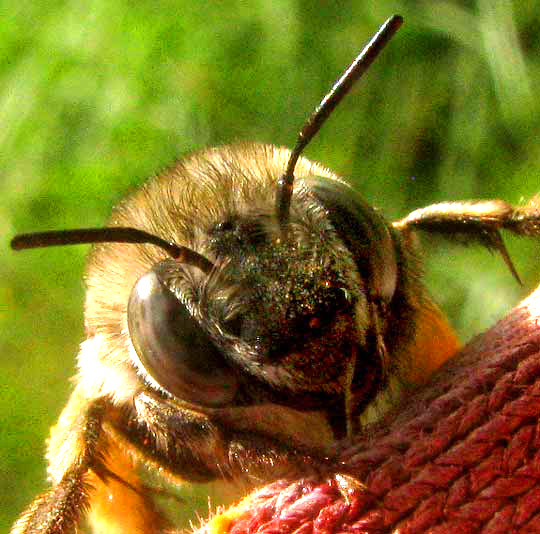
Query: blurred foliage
pixel 97 96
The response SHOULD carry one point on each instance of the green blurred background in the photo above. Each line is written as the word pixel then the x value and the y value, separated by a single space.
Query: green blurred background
pixel 97 96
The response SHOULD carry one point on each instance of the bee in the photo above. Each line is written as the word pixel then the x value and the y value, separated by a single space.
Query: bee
pixel 244 311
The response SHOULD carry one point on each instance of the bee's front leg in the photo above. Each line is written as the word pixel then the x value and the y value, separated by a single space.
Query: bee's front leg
pixel 59 509
pixel 90 472
pixel 190 446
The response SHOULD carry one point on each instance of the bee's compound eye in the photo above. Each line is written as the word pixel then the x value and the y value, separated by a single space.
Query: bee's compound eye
pixel 174 349
pixel 363 230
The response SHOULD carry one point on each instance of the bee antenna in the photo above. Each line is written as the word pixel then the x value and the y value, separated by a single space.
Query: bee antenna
pixel 116 234
pixel 325 108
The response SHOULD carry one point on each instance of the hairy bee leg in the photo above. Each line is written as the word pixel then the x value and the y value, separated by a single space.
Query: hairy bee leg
pixel 117 502
pixel 58 511
pixel 263 459
pixel 187 446
pixel 181 443
pixel 479 222
pixel 90 473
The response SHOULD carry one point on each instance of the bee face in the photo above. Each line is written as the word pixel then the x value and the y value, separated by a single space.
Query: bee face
pixel 275 316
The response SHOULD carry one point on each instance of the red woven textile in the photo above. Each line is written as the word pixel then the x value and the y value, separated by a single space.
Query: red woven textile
pixel 460 456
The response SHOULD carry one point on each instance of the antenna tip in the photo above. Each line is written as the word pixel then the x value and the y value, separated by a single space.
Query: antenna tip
pixel 394 22
pixel 17 243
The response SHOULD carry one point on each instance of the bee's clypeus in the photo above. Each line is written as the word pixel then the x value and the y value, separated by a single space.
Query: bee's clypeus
pixel 243 311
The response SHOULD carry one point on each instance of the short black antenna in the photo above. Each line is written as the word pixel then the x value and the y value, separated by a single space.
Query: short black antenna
pixel 325 108
pixel 113 234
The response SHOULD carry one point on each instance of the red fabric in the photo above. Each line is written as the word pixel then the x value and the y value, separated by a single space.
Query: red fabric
pixel 461 456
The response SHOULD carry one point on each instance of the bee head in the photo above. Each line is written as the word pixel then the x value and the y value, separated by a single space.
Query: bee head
pixel 269 316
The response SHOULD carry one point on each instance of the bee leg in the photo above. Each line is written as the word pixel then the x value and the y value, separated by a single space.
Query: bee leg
pixel 479 222
pixel 58 510
pixel 188 446
pixel 259 458
pixel 90 473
